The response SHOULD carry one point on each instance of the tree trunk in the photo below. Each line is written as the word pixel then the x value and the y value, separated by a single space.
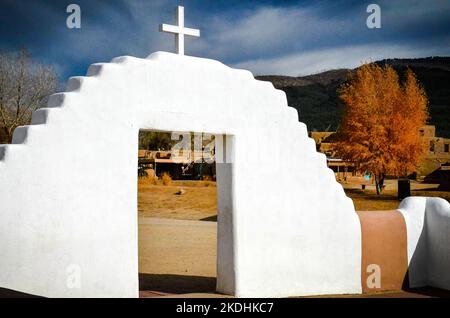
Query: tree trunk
pixel 376 184
pixel 379 182
pixel 9 134
pixel 4 136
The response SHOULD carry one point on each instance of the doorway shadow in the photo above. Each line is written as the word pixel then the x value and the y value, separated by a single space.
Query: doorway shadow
pixel 176 284
pixel 212 218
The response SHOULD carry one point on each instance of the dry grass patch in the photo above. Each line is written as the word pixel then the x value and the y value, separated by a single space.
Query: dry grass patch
pixel 368 200
pixel 166 179
pixel 197 201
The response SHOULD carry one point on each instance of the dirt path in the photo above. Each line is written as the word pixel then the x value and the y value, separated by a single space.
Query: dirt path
pixel 177 256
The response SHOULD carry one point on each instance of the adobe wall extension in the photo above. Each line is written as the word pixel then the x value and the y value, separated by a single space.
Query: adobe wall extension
pixel 428 227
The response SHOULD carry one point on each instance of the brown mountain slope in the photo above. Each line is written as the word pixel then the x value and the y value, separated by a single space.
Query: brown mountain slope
pixel 315 96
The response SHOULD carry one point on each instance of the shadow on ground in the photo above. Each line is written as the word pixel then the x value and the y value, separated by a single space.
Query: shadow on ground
pixel 160 285
pixel 425 292
pixel 176 284
pixel 442 177
pixel 369 195
pixel 9 293
pixel 212 218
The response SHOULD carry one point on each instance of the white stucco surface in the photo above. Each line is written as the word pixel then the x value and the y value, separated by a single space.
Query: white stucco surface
pixel 68 185
pixel 428 231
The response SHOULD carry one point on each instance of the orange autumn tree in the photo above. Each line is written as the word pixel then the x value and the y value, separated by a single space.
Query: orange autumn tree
pixel 379 131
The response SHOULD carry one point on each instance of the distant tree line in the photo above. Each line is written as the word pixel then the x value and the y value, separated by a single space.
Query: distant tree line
pixel 160 140
pixel 155 140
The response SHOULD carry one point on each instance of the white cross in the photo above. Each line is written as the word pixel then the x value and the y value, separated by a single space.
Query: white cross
pixel 179 30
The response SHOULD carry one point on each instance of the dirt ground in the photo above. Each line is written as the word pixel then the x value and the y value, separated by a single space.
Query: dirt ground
pixel 369 200
pixel 184 252
pixel 177 256
pixel 199 201
pixel 177 251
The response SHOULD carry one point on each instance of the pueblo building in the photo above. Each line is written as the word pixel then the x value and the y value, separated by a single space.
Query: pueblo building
pixel 190 166
pixel 435 157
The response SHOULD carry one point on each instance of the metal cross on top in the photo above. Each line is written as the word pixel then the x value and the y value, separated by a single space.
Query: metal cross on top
pixel 179 30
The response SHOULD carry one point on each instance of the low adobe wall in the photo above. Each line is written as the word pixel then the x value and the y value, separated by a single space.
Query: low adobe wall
pixel 384 251
pixel 408 248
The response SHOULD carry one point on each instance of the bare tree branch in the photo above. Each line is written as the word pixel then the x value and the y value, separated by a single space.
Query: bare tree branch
pixel 24 87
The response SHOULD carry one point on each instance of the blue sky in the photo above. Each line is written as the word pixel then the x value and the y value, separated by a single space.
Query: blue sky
pixel 266 37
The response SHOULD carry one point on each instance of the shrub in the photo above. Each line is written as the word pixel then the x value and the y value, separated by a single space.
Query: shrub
pixel 153 180
pixel 166 179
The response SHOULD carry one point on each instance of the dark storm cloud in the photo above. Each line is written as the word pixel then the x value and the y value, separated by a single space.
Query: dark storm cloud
pixel 283 37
